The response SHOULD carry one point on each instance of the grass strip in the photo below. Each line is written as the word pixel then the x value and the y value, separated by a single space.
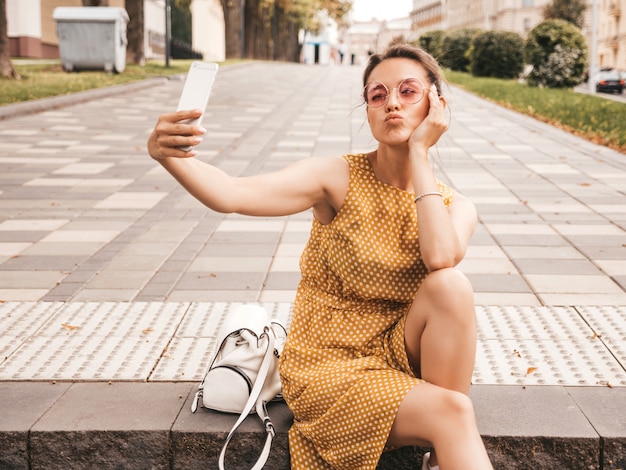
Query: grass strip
pixel 600 120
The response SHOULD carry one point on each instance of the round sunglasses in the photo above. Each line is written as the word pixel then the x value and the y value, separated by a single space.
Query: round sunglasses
pixel 410 91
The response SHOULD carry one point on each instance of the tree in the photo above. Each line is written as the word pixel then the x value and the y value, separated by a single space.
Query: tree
pixel 454 49
pixel 497 54
pixel 432 42
pixel 6 66
pixel 135 31
pixel 233 32
pixel 572 11
pixel 557 51
pixel 269 29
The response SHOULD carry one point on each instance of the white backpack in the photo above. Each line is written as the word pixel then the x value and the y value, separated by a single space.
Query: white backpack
pixel 243 374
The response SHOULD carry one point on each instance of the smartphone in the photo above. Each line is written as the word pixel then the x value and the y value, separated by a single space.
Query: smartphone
pixel 197 90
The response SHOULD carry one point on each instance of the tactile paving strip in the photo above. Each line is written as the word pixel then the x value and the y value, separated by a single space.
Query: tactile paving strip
pixel 96 341
pixel 609 327
pixel 164 341
pixel 21 320
pixel 527 345
pixel 526 322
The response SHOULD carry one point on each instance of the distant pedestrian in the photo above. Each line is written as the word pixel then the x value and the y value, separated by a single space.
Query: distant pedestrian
pixel 342 51
pixel 380 352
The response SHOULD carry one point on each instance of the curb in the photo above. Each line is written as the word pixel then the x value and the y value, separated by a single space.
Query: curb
pixel 59 425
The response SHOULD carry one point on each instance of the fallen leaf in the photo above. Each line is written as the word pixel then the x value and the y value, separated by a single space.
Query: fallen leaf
pixel 585 184
pixel 595 336
pixel 147 330
pixel 530 370
pixel 69 327
pixel 517 353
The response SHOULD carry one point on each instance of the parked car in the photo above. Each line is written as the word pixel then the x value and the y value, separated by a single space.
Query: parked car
pixel 609 82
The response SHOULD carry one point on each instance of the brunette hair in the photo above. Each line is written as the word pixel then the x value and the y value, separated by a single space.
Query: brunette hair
pixel 407 51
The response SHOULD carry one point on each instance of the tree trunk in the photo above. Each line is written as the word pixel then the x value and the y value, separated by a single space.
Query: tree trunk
pixel 251 28
pixel 135 32
pixel 6 66
pixel 233 17
pixel 258 37
pixel 286 37
pixel 95 3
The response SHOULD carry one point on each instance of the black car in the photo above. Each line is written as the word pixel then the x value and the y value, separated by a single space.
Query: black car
pixel 609 82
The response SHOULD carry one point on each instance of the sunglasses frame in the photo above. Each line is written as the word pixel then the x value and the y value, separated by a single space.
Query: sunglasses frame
pixel 397 88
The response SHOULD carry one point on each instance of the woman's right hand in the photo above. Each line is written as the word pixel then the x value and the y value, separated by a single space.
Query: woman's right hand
pixel 171 132
pixel 433 126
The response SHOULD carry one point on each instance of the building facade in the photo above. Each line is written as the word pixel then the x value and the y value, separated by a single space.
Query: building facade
pixel 391 30
pixel 367 37
pixel 611 33
pixel 521 16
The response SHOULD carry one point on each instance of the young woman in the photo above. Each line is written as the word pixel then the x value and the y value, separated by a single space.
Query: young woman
pixel 381 348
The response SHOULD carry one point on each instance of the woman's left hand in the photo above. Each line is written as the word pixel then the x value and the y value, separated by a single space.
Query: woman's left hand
pixel 433 126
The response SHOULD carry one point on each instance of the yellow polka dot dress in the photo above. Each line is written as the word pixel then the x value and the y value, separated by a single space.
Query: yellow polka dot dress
pixel 344 368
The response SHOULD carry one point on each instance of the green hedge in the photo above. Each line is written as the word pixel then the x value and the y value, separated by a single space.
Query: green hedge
pixel 432 42
pixel 454 49
pixel 497 54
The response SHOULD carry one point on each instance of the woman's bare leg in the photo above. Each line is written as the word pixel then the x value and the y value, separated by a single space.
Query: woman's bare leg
pixel 440 340
pixel 433 415
pixel 440 331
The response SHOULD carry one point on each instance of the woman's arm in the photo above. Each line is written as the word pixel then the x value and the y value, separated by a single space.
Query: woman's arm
pixel 308 183
pixel 444 232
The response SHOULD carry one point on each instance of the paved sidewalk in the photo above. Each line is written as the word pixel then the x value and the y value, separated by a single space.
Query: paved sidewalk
pixel 108 268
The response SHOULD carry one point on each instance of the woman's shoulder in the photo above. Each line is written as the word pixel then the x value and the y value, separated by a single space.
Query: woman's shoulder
pixel 333 165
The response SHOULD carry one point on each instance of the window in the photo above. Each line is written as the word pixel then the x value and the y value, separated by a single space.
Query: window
pixel 527 24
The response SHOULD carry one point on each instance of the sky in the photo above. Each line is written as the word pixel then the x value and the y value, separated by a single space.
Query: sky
pixel 365 10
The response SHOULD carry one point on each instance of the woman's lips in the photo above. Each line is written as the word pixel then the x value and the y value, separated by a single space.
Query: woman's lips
pixel 393 117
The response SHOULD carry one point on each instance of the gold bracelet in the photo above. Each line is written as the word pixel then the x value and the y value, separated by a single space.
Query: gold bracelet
pixel 432 193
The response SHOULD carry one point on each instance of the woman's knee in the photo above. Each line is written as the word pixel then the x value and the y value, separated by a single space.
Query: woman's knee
pixel 448 289
pixel 429 414
pixel 455 410
pixel 448 282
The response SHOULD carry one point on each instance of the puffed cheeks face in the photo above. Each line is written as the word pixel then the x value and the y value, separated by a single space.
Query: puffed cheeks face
pixel 393 121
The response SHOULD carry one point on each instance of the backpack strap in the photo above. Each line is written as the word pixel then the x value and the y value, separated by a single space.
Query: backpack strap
pixel 252 402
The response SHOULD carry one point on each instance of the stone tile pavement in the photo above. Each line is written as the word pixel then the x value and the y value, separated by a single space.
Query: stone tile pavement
pixel 85 215
pixel 109 271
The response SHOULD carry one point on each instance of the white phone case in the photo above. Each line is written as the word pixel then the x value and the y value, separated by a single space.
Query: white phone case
pixel 197 90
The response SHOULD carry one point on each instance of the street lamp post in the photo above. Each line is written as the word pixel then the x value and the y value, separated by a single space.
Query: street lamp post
pixel 593 61
pixel 168 29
